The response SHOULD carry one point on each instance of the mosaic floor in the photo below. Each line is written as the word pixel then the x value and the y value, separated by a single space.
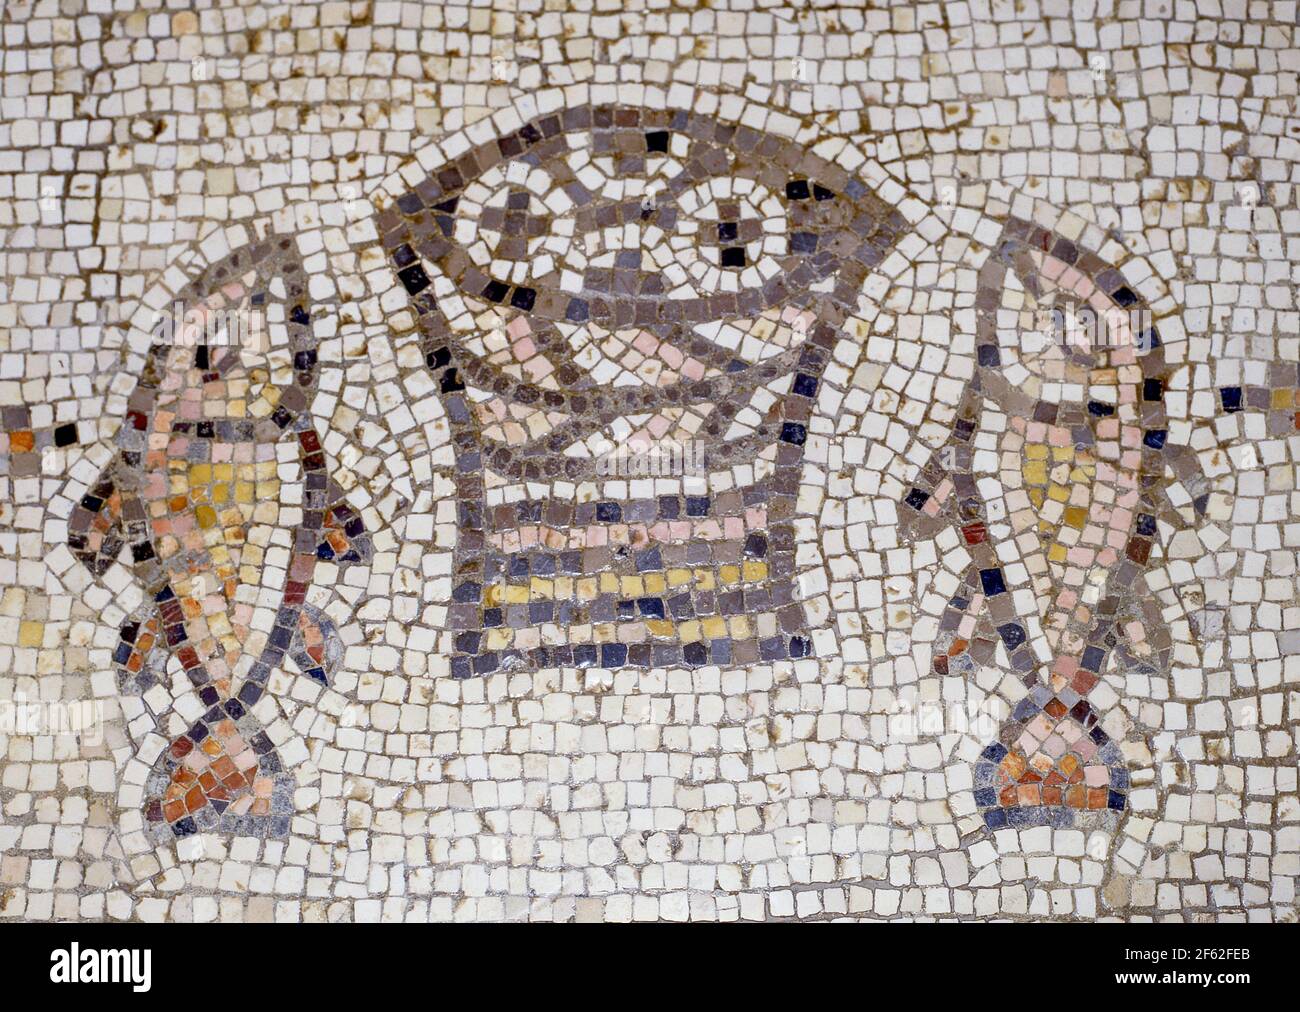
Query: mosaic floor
pixel 614 461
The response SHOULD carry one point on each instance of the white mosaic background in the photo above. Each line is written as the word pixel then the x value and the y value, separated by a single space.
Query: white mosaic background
pixel 1164 133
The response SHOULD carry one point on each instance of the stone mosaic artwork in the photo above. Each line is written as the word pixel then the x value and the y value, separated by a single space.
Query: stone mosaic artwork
pixel 601 461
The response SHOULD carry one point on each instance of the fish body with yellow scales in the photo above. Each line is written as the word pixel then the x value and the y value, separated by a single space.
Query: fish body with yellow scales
pixel 200 493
